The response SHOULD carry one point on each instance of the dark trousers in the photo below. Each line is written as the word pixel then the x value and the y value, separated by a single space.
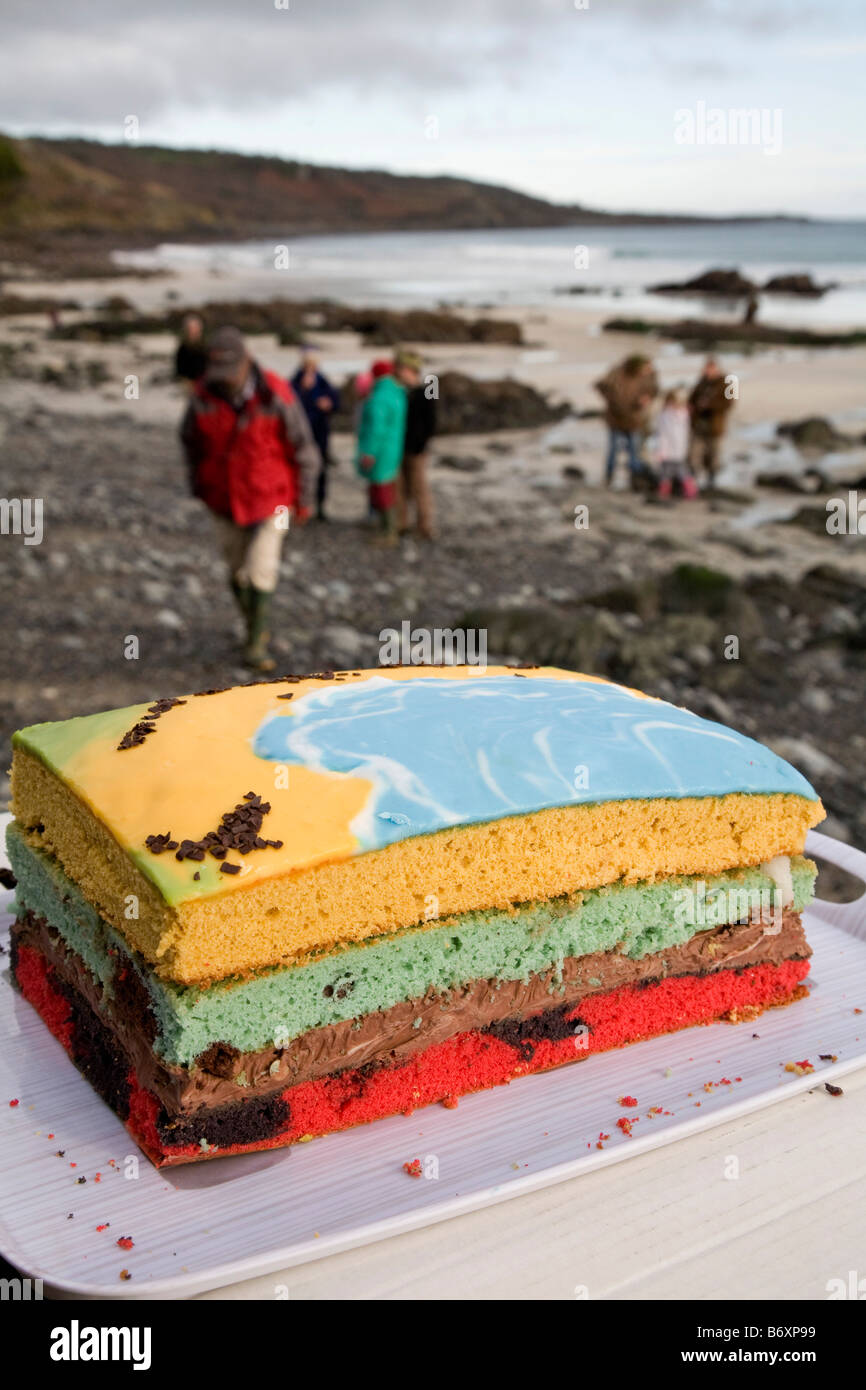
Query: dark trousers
pixel 322 479
pixel 704 452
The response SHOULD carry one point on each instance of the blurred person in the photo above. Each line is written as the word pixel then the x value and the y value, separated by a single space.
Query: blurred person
pixel 413 483
pixel 381 437
pixel 190 359
pixel 253 463
pixel 361 387
pixel 628 391
pixel 364 383
pixel 672 447
pixel 321 401
pixel 709 404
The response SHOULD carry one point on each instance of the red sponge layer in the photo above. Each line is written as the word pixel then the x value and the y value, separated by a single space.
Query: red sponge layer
pixel 35 980
pixel 471 1061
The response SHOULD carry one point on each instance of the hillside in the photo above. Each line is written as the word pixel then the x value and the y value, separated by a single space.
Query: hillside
pixel 83 187
pixel 125 193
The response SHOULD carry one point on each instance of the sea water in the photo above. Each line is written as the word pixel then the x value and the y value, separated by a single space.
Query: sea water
pixel 610 267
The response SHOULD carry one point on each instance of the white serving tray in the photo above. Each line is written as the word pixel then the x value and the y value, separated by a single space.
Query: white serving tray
pixel 205 1225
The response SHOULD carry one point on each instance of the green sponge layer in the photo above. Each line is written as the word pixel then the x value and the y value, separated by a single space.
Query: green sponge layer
pixel 283 1003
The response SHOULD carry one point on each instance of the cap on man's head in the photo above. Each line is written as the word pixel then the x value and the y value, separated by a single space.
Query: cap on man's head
pixel 404 358
pixel 226 354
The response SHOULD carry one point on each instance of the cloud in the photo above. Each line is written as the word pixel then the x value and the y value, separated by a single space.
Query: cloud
pixel 87 63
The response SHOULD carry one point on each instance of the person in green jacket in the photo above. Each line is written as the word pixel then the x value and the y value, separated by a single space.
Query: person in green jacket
pixel 381 436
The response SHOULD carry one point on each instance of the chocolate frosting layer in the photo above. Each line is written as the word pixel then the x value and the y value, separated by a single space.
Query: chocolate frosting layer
pixel 222 1075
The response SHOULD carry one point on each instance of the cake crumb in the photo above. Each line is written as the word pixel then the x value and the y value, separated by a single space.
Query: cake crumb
pixel 833 1090
pixel 125 1274
pixel 800 1068
pixel 627 1101
pixel 125 1242
pixel 414 1168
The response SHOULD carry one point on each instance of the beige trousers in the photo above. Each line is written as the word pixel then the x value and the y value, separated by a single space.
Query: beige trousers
pixel 253 552
pixel 414 488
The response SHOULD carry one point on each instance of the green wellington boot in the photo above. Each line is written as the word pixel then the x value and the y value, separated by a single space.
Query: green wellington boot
pixel 242 598
pixel 256 651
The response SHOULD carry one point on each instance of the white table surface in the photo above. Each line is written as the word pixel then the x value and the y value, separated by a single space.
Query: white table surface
pixel 665 1225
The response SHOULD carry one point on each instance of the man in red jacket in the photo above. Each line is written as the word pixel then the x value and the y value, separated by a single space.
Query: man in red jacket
pixel 253 463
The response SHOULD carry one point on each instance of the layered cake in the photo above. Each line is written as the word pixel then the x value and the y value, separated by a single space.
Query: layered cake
pixel 257 915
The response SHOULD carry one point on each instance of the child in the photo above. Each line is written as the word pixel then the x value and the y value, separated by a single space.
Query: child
pixel 672 445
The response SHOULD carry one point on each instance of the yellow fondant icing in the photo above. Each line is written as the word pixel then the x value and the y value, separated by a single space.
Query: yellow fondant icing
pixel 199 763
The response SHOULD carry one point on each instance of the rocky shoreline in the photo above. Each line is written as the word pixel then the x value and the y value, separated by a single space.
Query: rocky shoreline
pixel 633 596
pixel 709 334
pixel 732 284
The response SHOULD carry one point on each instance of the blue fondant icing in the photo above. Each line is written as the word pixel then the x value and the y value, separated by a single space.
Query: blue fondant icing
pixel 443 752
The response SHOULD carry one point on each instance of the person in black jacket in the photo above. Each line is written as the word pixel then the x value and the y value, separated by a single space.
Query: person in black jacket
pixel 190 359
pixel 321 401
pixel 414 491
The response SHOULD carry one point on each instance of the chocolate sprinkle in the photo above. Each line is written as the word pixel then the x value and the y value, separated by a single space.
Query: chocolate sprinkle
pixel 238 829
pixel 7 878
pixel 157 844
pixel 163 706
pixel 833 1090
pixel 139 732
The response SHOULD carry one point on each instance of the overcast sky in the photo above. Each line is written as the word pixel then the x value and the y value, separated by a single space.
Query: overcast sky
pixel 573 104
